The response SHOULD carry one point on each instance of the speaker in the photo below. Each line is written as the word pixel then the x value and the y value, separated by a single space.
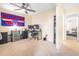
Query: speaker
pixel 4 38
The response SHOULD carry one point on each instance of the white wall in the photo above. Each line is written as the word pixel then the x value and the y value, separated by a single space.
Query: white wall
pixel 45 20
pixel 59 25
pixel 7 28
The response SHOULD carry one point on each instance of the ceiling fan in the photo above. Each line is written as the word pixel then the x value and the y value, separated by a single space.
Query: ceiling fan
pixel 24 6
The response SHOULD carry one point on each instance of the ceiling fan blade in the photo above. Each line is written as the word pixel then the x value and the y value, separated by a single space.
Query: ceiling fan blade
pixel 31 10
pixel 15 5
pixel 17 9
pixel 23 4
pixel 27 4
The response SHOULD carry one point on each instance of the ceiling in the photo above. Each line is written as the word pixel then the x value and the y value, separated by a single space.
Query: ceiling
pixel 38 7
pixel 70 5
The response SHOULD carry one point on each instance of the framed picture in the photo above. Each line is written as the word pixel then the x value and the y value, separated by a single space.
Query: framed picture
pixel 11 20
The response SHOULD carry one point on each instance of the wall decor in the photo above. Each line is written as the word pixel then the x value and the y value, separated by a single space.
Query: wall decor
pixel 11 20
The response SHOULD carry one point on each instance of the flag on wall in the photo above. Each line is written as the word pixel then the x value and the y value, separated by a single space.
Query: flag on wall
pixel 11 20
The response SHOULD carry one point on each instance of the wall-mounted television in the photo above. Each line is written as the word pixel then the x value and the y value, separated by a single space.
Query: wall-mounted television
pixel 11 20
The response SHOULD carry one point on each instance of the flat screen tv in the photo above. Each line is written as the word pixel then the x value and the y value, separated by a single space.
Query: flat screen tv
pixel 11 20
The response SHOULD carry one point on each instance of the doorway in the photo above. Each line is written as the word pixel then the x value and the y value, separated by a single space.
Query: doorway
pixel 71 27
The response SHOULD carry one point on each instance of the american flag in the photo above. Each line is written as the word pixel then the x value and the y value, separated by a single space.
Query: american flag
pixel 11 22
